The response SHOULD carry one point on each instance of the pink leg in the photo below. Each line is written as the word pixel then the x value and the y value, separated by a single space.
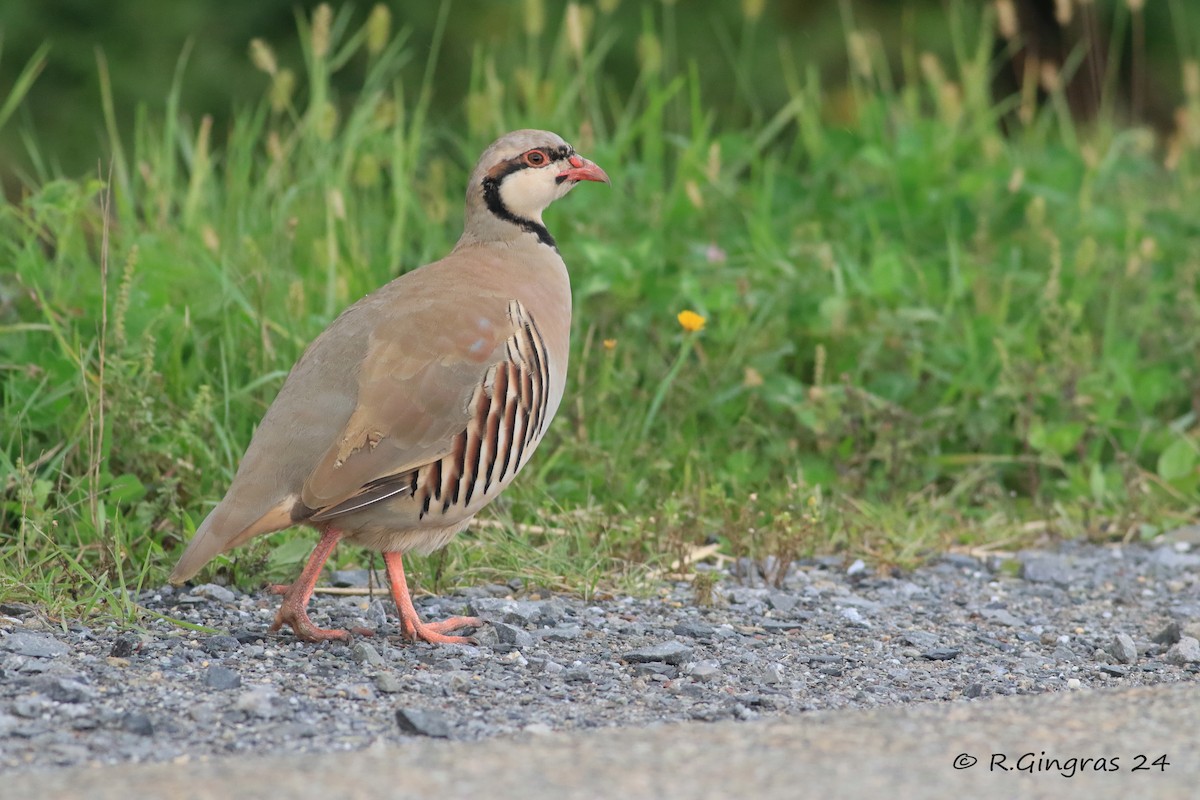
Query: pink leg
pixel 296 596
pixel 410 624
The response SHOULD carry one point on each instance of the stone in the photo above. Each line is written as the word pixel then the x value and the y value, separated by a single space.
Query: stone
pixel 220 644
pixel 1000 616
pixel 124 646
pixel 579 674
pixel 1044 568
pixel 973 691
pixel 773 674
pixel 551 612
pixel 667 652
pixel 138 724
pixel 1123 649
pixel 1170 634
pixel 1185 651
pixel 365 653
pixel 1172 559
pixel 423 722
pixel 854 617
pixel 388 683
pixel 221 678
pixel 64 690
pixel 560 633
pixel 345 578
pixel 34 645
pixel 215 592
pixel 779 626
pixel 705 671
pixel 695 630
pixel 514 612
pixel 258 701
pixel 511 635
pixel 920 639
pixel 655 668
pixel 942 654
pixel 782 601
pixel 850 599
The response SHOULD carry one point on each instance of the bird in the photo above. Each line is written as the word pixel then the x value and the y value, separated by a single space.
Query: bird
pixel 421 402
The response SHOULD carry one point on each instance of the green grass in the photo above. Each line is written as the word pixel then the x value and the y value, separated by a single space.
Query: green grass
pixel 920 333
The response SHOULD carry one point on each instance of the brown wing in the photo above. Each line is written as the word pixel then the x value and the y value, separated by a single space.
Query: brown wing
pixel 414 396
pixel 507 415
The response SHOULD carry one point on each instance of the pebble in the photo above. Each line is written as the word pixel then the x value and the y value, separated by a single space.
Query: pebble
pixel 221 678
pixel 652 668
pixel 258 701
pixel 214 592
pixel 921 639
pixel 1185 651
pixel 1044 568
pixel 124 646
pixel 64 690
pixel 1170 634
pixel 512 635
pixel 1001 616
pixel 773 674
pixel 365 653
pixel 942 654
pixel 695 630
pixel 854 617
pixel 1123 649
pixel 85 695
pixel 782 602
pixel 668 652
pixel 34 645
pixel 560 633
pixel 388 683
pixel 705 671
pixel 137 723
pixel 423 722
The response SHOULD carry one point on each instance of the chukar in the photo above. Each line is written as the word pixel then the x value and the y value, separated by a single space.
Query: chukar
pixel 419 404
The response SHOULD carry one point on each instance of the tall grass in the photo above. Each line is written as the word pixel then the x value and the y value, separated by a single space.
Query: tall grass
pixel 919 332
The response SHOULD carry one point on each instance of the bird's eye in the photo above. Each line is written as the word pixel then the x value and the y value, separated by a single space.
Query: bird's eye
pixel 535 158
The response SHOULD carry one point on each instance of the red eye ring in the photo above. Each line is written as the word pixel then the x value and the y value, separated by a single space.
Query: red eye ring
pixel 536 158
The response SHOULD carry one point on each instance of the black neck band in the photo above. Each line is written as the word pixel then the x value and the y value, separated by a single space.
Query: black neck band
pixel 491 196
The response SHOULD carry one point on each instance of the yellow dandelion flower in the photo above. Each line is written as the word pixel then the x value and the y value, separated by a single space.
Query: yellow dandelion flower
pixel 691 321
pixel 610 344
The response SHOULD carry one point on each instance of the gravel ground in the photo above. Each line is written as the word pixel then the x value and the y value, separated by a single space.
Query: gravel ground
pixel 834 636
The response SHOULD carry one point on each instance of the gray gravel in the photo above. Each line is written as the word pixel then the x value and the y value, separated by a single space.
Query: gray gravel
pixel 833 636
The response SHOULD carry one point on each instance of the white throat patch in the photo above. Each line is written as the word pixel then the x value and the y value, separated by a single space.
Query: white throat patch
pixel 527 192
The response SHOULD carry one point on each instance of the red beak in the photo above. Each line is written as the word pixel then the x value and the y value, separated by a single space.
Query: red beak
pixel 583 170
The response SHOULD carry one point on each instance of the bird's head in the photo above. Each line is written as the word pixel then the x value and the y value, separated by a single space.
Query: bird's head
pixel 516 178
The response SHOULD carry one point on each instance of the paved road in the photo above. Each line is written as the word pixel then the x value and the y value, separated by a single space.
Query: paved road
pixel 896 752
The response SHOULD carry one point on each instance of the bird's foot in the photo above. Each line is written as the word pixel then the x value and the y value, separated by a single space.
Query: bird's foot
pixel 304 627
pixel 436 632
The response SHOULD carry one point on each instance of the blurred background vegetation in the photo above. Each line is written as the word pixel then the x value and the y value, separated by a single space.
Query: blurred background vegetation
pixel 144 44
pixel 947 254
